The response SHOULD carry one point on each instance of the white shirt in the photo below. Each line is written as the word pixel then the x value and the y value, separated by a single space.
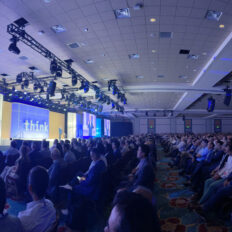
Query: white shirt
pixel 226 170
pixel 39 216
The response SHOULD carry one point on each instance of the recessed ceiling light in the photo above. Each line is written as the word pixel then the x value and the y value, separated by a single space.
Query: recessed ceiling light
pixel 47 1
pixel 213 15
pixel 221 26
pixel 122 13
pixel 152 20
pixel 133 56
pixel 89 61
pixel 193 57
pixel 152 35
pixel 58 28
pixel 153 51
pixel 86 29
pixel 139 77
pixel 23 58
pixel 204 53
pixel 41 32
pixel 194 70
pixel 103 54
pixel 138 6
pixel 73 45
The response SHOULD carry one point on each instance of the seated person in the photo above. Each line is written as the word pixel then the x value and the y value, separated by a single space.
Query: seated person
pixel 143 175
pixel 56 173
pixel 90 185
pixel 45 153
pixel 218 178
pixel 12 154
pixel 132 213
pixel 34 155
pixel 8 223
pixel 40 215
pixel 69 156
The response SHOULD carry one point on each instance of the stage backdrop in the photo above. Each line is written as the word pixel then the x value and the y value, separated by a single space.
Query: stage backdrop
pixel 56 125
pixel 29 122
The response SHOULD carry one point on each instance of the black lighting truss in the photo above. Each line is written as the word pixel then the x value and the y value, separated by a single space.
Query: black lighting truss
pixel 20 33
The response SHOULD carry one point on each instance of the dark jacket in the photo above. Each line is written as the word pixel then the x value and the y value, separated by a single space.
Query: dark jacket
pixel 91 187
pixel 145 176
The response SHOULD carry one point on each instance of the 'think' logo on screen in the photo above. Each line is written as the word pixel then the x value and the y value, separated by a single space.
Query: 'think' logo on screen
pixel 37 126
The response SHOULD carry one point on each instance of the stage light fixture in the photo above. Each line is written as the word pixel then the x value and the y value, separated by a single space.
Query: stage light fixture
pixel 35 87
pixel 41 89
pixel 19 78
pixel 59 71
pixel 26 83
pixel 113 105
pixel 22 86
pixel 86 88
pixel 53 67
pixel 13 46
pixel 52 88
pixel 74 80
pixel 227 98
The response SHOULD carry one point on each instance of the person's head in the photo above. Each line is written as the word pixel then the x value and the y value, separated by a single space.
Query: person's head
pixel 210 145
pixel 24 150
pixel 44 145
pixel 131 213
pixel 55 142
pixel 115 145
pixel 34 146
pixel 204 143
pixel 218 145
pixel 228 149
pixel 66 147
pixel 143 151
pixel 2 195
pixel 95 154
pixel 38 182
pixel 55 154
pixel 13 144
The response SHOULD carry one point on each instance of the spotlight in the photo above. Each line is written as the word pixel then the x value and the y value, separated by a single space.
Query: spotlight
pixel 26 83
pixel 47 97
pixel 13 89
pixel 86 88
pixel 51 88
pixel 13 46
pixel 113 105
pixel 59 71
pixel 74 80
pixel 125 101
pixel 35 87
pixel 115 90
pixel 53 67
pixel 108 101
pixel 41 89
pixel 19 78
pixel 227 98
pixel 22 86
pixel 82 85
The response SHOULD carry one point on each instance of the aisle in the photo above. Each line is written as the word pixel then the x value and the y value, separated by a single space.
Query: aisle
pixel 172 200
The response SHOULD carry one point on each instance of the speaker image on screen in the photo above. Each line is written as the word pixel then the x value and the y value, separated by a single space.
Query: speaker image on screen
pixel 89 124
pixel 227 98
pixel 107 127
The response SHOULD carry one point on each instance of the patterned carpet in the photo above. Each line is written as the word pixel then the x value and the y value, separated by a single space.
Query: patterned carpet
pixel 172 200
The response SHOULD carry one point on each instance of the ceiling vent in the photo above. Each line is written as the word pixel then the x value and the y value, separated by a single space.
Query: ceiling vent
pixel 122 13
pixel 23 58
pixel 184 51
pixel 73 45
pixel 165 35
pixel 89 61
pixel 58 28
pixel 193 57
pixel 134 56
pixel 213 15
pixel 160 76
pixel 139 77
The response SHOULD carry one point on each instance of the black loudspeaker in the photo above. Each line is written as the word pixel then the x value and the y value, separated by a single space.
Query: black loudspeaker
pixel 211 104
pixel 227 98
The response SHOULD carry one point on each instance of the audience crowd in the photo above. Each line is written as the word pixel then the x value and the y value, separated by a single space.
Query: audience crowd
pixel 206 163
pixel 73 182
